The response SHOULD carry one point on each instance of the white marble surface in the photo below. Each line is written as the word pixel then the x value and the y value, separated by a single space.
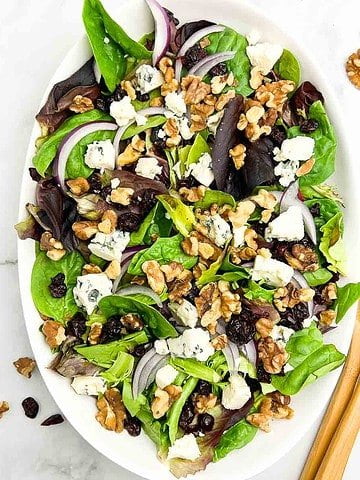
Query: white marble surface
pixel 34 36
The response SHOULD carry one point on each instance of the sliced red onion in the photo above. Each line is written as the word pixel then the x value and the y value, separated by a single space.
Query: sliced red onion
pixel 146 370
pixel 250 352
pixel 139 290
pixel 69 142
pixel 191 41
pixel 162 30
pixel 302 283
pixel 231 351
pixel 207 63
pixel 289 196
pixel 152 111
pixel 125 262
pixel 309 223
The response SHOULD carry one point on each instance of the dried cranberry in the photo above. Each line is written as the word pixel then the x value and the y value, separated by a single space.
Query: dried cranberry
pixel 193 56
pixel 335 277
pixel 106 191
pixel 315 210
pixel 279 249
pixel 187 416
pixel 142 97
pixel 309 126
pixel 194 292
pixel 53 420
pixel 203 387
pixel 76 327
pixel 294 317
pixel 187 182
pixel 158 140
pixel 95 183
pixel 219 70
pixel 133 426
pixel 57 286
pixel 140 350
pixel 206 422
pixel 240 329
pixel 103 104
pixel 253 384
pixel 147 200
pixel 34 174
pixel 278 135
pixel 262 375
pixel 111 330
pixel 118 94
pixel 129 222
pixel 31 407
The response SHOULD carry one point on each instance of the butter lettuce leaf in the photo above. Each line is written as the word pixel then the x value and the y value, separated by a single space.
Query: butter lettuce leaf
pixel 346 297
pixel 332 243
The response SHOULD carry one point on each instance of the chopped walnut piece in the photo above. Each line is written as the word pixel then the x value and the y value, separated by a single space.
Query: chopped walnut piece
pixel 154 275
pixel 85 229
pixel 206 251
pixel 78 186
pixel 198 270
pixel 302 258
pixel 266 216
pixel 253 131
pixel 242 123
pixel 161 403
pixel 265 199
pixel 56 254
pixel 4 407
pixel 272 355
pixel 157 102
pixel 224 99
pixel 264 327
pixel 242 213
pixel 170 83
pixel 329 292
pixel 111 411
pixel 132 322
pixel 256 78
pixel 171 127
pixel 195 90
pixel 240 254
pixel 181 286
pixel 128 156
pixel 290 296
pixel 129 89
pixel 54 333
pixel 113 270
pixel 260 420
pixel 95 333
pixel 238 155
pixel 199 115
pixel 275 94
pixel 138 144
pixel 306 167
pixel 193 194
pixel 208 305
pixel 174 392
pixel 230 302
pixel 54 248
pixel 25 366
pixel 250 237
pixel 220 342
pixel 122 195
pixel 327 317
pixel 353 68
pixel 275 405
pixel 81 104
pixel 254 114
pixel 269 118
pixel 204 403
pixel 108 222
pixel 172 271
pixel 190 245
pixel 90 268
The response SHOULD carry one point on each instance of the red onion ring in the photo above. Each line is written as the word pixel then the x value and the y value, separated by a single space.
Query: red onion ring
pixel 207 63
pixel 69 142
pixel 146 370
pixel 162 30
pixel 231 351
pixel 250 352
pixel 140 290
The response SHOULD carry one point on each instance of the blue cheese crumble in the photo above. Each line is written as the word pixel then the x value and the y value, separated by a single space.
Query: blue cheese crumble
pixel 202 170
pixel 148 78
pixel 90 289
pixel 288 226
pixel 148 167
pixel 193 343
pixel 100 155
pixel 109 246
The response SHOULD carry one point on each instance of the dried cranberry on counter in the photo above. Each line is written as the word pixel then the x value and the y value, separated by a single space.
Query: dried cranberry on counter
pixel 31 407
pixel 53 420
pixel 133 426
pixel 57 286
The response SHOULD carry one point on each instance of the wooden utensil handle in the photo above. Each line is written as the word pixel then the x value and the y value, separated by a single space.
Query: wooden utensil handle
pixel 334 462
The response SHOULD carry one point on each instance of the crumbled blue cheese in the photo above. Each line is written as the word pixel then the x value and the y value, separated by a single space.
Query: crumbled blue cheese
pixel 88 385
pixel 109 246
pixel 236 393
pixel 165 376
pixel 287 172
pixel 175 103
pixel 308 321
pixel 100 155
pixel 288 226
pixel 148 78
pixel 124 112
pixel 193 343
pixel 184 128
pixel 214 121
pixel 90 289
pixel 161 347
pixel 281 334
pixel 264 55
pixel 115 183
pixel 219 230
pixel 272 272
pixel 148 167
pixel 185 447
pixel 176 169
pixel 253 37
pixel 288 368
pixel 239 235
pixel 202 170
pixel 186 312
pixel 298 148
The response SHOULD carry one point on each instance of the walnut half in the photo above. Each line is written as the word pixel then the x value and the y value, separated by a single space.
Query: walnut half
pixel 272 355
pixel 25 366
pixel 111 411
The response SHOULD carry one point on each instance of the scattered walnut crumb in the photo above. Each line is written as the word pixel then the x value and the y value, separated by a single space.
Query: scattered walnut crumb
pixel 122 195
pixel 90 268
pixel 108 222
pixel 54 333
pixel 199 115
pixel 113 270
pixel 193 194
pixel 4 407
pixel 78 186
pixel 238 155
pixel 25 366
pixel 220 342
pixel 250 237
pixel 208 305
pixel 204 403
pixel 206 251
pixel 81 104
pixel 85 229
pixel 111 411
pixel 353 68
pixel 272 355
pixel 327 317
pixel 154 275
pixel 95 333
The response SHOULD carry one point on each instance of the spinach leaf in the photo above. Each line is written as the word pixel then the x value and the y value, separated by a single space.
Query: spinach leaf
pixel 255 291
pixel 302 343
pixel 325 146
pixel 76 166
pixel 199 147
pixel 230 40
pixel 120 369
pixel 173 416
pixel 154 224
pixel 319 363
pixel 47 152
pixel 346 297
pixel 215 196
pixel 227 276
pixel 208 274
pixel 155 321
pixel 154 429
pixel 104 354
pixel 195 369
pixel 332 244
pixel 182 216
pixel 44 269
pixel 164 250
pixel 154 121
pixel 288 67
pixel 322 191
pixel 110 53
pixel 319 277
pixel 235 438
pixel 183 153
pixel 133 406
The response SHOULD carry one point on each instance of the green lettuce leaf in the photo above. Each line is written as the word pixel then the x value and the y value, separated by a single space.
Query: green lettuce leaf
pixel 199 147
pixel 346 297
pixel 173 415
pixel 155 224
pixel 302 343
pixel 255 291
pixel 332 244
pixel 182 216
pixel 215 196
pixel 133 406
pixel 288 67
pixel 319 277
pixel 196 369
pixel 235 438
pixel 154 121
pixel 120 369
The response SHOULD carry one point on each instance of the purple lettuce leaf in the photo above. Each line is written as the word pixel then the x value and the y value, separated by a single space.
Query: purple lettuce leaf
pixel 185 32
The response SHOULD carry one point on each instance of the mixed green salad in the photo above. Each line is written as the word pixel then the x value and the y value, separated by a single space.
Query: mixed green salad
pixel 187 250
